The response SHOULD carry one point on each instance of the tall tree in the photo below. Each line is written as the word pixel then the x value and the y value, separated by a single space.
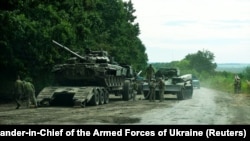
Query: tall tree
pixel 202 61
pixel 28 26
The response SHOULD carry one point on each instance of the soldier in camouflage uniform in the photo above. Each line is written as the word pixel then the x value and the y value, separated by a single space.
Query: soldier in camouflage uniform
pixel 18 91
pixel 237 84
pixel 161 85
pixel 152 86
pixel 29 91
pixel 150 72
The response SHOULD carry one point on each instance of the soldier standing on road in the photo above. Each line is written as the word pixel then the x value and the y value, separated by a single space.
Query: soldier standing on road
pixel 29 91
pixel 150 72
pixel 18 91
pixel 152 86
pixel 161 86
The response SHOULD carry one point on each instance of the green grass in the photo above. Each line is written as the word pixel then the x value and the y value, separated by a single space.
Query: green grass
pixel 224 84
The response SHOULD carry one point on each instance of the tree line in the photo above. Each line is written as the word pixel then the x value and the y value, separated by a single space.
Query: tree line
pixel 202 65
pixel 29 26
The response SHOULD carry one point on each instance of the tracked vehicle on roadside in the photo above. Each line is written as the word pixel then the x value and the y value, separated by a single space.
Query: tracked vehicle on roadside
pixel 87 80
pixel 175 84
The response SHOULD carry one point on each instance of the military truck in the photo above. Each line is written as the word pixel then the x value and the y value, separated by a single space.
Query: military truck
pixel 175 84
pixel 87 80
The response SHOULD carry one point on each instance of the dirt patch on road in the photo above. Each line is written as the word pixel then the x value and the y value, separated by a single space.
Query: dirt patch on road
pixel 115 112
pixel 228 108
pixel 234 106
pixel 241 100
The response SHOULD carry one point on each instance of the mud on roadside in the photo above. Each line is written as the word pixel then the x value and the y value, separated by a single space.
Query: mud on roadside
pixel 115 112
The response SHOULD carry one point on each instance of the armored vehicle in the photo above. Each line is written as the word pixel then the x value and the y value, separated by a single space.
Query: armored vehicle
pixel 196 82
pixel 88 79
pixel 176 84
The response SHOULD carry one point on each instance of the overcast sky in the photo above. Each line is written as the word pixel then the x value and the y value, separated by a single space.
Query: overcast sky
pixel 172 29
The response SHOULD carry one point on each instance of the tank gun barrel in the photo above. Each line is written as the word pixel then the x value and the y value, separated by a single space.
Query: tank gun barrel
pixel 139 73
pixel 67 49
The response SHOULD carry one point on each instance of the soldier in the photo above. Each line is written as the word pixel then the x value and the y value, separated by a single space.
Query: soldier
pixel 29 91
pixel 237 84
pixel 150 72
pixel 161 86
pixel 18 91
pixel 152 86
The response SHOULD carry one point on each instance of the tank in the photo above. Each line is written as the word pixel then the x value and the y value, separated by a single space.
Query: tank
pixel 175 84
pixel 95 68
pixel 89 78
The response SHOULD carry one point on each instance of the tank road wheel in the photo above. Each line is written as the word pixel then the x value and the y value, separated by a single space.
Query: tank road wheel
pixel 126 91
pixel 95 98
pixel 180 95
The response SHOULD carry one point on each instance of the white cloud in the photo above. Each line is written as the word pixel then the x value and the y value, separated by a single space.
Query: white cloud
pixel 178 27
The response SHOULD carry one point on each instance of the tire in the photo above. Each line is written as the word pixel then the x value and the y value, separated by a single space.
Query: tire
pixel 106 97
pixel 126 95
pixel 101 98
pixel 95 100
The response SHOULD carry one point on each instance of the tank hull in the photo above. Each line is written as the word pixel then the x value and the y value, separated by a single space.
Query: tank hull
pixel 181 86
pixel 85 74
